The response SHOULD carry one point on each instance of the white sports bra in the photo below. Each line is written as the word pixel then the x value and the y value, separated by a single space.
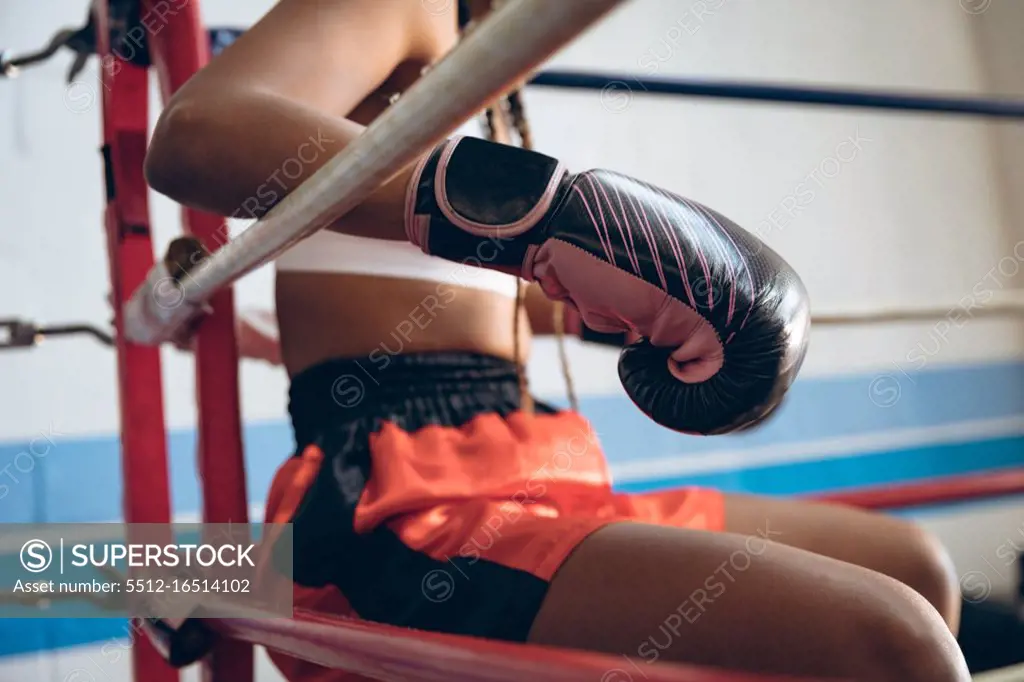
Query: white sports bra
pixel 331 252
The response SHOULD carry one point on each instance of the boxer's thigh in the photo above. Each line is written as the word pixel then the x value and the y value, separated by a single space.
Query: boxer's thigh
pixel 631 588
pixel 892 546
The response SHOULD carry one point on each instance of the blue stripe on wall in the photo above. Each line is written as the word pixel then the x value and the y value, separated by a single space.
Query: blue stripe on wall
pixel 21 484
pixel 824 408
pixel 89 473
pixel 79 480
pixel 857 471
pixel 31 635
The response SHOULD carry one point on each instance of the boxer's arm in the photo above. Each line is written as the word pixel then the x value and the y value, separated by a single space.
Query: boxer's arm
pixel 258 337
pixel 256 334
pixel 270 111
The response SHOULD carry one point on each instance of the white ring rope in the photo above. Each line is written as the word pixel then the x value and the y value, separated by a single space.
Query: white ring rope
pixel 506 46
pixel 1005 303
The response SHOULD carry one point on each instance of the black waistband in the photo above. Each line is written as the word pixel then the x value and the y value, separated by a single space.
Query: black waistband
pixel 414 389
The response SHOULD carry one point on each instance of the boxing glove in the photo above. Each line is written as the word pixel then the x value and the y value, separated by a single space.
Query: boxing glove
pixel 724 320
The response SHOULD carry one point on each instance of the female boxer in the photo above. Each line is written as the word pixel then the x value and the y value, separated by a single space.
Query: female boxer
pixel 425 490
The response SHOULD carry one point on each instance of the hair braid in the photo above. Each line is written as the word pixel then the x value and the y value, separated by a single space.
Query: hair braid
pixel 488 121
pixel 512 107
pixel 517 110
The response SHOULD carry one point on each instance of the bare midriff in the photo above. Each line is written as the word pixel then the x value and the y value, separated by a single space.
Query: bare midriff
pixel 325 316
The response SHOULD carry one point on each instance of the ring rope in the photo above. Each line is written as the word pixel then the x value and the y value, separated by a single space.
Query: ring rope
pixel 626 84
pixel 1007 303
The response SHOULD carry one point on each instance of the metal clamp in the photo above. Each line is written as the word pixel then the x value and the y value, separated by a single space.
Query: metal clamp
pixel 17 334
pixel 81 41
pixel 23 334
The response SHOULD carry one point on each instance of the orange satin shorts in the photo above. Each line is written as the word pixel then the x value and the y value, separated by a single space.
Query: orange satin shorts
pixel 423 496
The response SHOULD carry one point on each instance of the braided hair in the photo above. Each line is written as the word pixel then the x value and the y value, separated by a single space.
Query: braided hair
pixel 511 109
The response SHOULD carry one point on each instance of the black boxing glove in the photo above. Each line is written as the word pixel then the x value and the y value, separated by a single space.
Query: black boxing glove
pixel 724 319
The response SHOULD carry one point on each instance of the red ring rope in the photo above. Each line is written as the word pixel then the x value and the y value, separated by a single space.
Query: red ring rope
pixel 386 652
pixel 987 485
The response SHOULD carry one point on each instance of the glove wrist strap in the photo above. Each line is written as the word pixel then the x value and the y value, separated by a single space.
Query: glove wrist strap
pixel 473 199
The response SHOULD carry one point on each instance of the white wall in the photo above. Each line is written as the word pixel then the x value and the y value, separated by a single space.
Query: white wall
pixel 997 37
pixel 921 212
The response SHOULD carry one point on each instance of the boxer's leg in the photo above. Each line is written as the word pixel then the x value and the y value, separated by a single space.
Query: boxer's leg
pixel 721 599
pixel 891 546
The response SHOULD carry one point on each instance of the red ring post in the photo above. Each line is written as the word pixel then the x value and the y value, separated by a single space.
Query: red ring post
pixel 178 48
pixel 124 93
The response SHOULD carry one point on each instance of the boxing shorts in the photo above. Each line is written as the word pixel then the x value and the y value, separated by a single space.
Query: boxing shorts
pixel 423 496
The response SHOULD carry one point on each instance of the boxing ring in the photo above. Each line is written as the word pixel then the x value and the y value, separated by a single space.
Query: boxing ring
pixel 478 69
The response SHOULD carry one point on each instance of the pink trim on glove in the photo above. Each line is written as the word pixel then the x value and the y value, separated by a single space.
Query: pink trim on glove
pixel 416 228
